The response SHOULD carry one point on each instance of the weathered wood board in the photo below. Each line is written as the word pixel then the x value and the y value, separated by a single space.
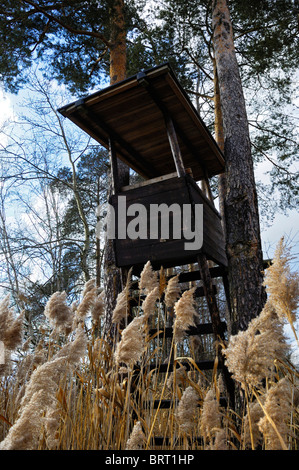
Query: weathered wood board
pixel 170 251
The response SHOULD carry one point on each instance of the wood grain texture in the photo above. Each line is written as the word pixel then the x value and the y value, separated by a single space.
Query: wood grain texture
pixel 126 112
pixel 170 251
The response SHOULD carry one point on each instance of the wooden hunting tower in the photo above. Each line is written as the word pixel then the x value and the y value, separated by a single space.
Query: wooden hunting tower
pixel 148 122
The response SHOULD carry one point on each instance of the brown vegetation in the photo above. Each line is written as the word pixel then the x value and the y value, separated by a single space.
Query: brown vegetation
pixel 72 390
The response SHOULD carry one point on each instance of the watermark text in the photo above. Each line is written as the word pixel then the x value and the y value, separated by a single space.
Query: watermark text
pixel 155 221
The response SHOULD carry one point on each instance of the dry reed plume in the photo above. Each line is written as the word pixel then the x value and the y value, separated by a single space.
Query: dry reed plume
pixel 251 433
pixel 60 315
pixel 137 438
pixel 172 292
pixel 278 406
pixel 121 309
pixel 187 410
pixel 92 302
pixel 210 417
pixel 185 313
pixel 251 354
pixel 11 332
pixel 149 303
pixel 282 286
pixel 148 279
pixel 71 390
pixel 39 396
pixel 131 346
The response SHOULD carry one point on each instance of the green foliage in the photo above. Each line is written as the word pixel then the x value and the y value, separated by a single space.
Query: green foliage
pixel 266 43
pixel 267 33
pixel 71 41
pixel 72 37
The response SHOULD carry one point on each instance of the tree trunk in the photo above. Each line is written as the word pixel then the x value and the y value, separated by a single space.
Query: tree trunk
pixel 219 137
pixel 118 34
pixel 245 263
pixel 113 275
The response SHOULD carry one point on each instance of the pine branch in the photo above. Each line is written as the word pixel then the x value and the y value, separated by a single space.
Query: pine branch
pixel 198 64
pixel 289 173
pixel 79 32
pixel 200 95
pixel 271 131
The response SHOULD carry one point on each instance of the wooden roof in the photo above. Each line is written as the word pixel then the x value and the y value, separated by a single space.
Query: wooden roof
pixel 132 113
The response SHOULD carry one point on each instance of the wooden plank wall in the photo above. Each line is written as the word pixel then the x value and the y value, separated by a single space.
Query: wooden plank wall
pixel 169 252
pixel 213 240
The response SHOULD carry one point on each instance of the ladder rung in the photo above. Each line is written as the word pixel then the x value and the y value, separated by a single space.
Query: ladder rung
pixel 267 263
pixel 216 271
pixel 166 441
pixel 166 404
pixel 202 329
pixel 202 365
pixel 199 291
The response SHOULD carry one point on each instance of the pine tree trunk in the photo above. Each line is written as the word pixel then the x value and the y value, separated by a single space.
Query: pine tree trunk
pixel 219 137
pixel 242 228
pixel 113 275
pixel 118 34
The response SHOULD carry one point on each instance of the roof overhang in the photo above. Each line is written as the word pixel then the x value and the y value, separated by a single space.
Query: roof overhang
pixel 132 112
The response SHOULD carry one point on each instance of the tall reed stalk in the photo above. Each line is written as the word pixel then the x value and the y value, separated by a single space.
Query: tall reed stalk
pixel 77 390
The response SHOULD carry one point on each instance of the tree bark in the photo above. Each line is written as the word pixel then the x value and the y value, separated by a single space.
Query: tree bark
pixel 118 34
pixel 112 274
pixel 243 243
pixel 219 137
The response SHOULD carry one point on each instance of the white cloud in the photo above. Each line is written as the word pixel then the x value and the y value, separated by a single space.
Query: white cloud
pixel 6 114
pixel 6 107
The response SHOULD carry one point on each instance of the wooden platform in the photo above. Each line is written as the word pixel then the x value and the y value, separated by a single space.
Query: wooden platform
pixel 169 252
pixel 132 112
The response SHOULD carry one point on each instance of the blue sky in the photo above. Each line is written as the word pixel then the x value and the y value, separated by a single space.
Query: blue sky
pixel 286 225
pixel 283 225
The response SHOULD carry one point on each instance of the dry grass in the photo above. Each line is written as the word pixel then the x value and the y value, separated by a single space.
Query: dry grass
pixel 73 391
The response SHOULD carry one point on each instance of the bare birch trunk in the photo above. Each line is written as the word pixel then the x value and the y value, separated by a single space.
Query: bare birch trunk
pixel 240 205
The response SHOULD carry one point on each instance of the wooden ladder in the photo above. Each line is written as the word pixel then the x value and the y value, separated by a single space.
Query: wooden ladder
pixel 215 327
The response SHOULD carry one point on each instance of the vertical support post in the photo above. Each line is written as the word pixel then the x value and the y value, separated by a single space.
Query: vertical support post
pixel 209 293
pixel 170 128
pixel 115 187
pixel 215 318
pixel 209 191
pixel 205 186
pixel 174 145
pixel 114 167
